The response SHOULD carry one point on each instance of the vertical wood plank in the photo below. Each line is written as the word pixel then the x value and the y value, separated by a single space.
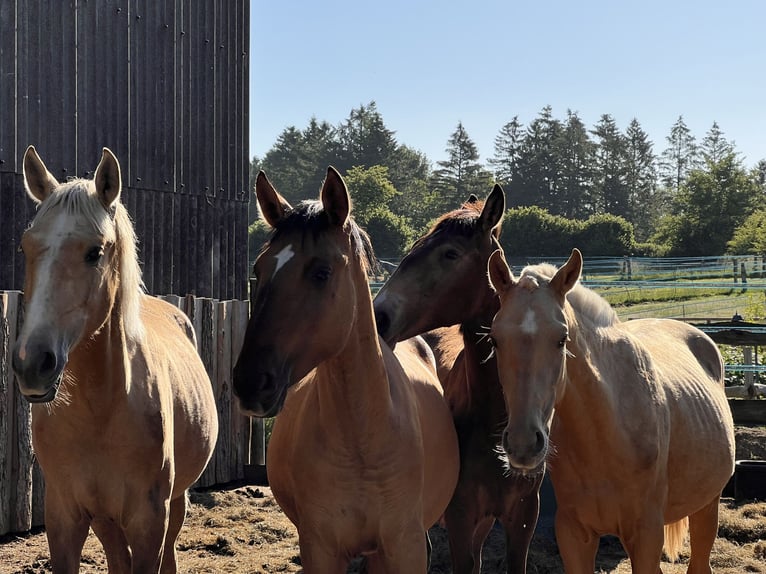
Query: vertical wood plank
pixel 240 424
pixel 21 438
pixel 206 339
pixel 6 399
pixel 223 397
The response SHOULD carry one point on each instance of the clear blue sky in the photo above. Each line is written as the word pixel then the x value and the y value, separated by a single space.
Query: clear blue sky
pixel 429 64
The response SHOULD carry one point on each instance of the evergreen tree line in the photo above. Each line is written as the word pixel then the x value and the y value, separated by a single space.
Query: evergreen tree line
pixel 601 189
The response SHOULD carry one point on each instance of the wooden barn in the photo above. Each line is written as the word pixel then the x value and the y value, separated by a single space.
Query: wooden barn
pixel 164 85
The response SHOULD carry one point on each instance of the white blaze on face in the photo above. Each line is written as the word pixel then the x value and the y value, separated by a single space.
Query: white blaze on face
pixel 529 324
pixel 283 257
pixel 37 315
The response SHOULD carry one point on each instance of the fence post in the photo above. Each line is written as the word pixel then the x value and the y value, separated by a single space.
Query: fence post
pixel 743 273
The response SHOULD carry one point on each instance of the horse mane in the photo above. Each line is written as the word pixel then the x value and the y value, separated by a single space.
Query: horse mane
pixel 584 301
pixel 461 221
pixel 308 216
pixel 79 197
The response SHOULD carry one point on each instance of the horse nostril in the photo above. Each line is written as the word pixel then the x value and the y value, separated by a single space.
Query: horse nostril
pixel 539 441
pixel 47 364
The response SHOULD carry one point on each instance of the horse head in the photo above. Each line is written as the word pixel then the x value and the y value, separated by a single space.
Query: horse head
pixel 72 252
pixel 435 284
pixel 306 278
pixel 530 333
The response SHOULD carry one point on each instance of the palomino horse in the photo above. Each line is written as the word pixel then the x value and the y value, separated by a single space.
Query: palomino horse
pixel 363 456
pixel 123 415
pixel 636 412
pixel 443 281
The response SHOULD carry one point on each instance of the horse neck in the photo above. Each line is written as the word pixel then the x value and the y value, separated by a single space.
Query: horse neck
pixel 483 392
pixel 586 391
pixel 99 367
pixel 355 381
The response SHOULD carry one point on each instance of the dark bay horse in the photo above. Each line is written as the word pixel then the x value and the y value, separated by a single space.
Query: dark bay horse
pixel 363 457
pixel 123 415
pixel 637 412
pixel 443 281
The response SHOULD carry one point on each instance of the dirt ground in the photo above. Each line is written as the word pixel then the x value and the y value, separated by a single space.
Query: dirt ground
pixel 242 530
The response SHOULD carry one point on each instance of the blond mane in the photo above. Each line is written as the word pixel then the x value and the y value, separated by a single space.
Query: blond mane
pixel 78 197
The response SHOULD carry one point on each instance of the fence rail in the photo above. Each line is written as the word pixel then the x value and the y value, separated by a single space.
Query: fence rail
pixel 220 328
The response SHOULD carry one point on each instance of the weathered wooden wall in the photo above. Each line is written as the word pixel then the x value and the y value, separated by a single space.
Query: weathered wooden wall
pixel 220 328
pixel 163 84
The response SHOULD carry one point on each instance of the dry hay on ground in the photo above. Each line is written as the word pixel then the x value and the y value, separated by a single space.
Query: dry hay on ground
pixel 242 530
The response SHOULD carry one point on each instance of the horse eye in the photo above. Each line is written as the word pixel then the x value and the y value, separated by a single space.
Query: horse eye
pixel 563 342
pixel 322 274
pixel 93 255
pixel 451 254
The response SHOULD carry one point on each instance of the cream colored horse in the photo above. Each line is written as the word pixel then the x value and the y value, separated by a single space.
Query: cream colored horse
pixel 641 433
pixel 363 457
pixel 123 415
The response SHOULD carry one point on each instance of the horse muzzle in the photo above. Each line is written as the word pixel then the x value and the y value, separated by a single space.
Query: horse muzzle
pixel 260 393
pixel 39 371
pixel 526 451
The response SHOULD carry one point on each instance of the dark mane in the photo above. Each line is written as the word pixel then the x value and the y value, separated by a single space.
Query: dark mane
pixel 308 217
pixel 460 221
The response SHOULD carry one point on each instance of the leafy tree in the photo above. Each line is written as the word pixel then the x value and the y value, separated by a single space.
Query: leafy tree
pixel 505 162
pixel 364 139
pixel 750 237
pixel 708 208
pixel 371 193
pixel 575 152
pixel 605 235
pixel 644 203
pixel 461 174
pixel 297 163
pixel 715 147
pixel 538 162
pixel 534 232
pixel 679 158
pixel 611 191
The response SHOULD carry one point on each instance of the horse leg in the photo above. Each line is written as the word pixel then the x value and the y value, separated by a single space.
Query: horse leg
pixel 66 531
pixel 145 531
pixel 407 555
pixel 115 545
pixel 703 529
pixel 175 522
pixel 467 527
pixel 318 560
pixel 577 545
pixel 519 521
pixel 644 545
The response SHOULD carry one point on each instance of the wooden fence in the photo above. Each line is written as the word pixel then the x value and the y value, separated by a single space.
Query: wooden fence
pixel 220 328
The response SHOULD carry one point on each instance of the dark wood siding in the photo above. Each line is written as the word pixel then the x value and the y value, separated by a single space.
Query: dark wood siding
pixel 163 84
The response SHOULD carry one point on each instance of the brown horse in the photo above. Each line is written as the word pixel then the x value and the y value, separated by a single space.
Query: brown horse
pixel 643 434
pixel 443 281
pixel 363 455
pixel 123 416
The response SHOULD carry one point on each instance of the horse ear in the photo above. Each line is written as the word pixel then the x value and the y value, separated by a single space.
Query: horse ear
pixel 38 181
pixel 108 179
pixel 472 199
pixel 500 277
pixel 271 205
pixel 569 273
pixel 494 209
pixel 335 198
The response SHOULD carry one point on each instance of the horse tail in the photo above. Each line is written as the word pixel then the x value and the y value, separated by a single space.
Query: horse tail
pixel 675 534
